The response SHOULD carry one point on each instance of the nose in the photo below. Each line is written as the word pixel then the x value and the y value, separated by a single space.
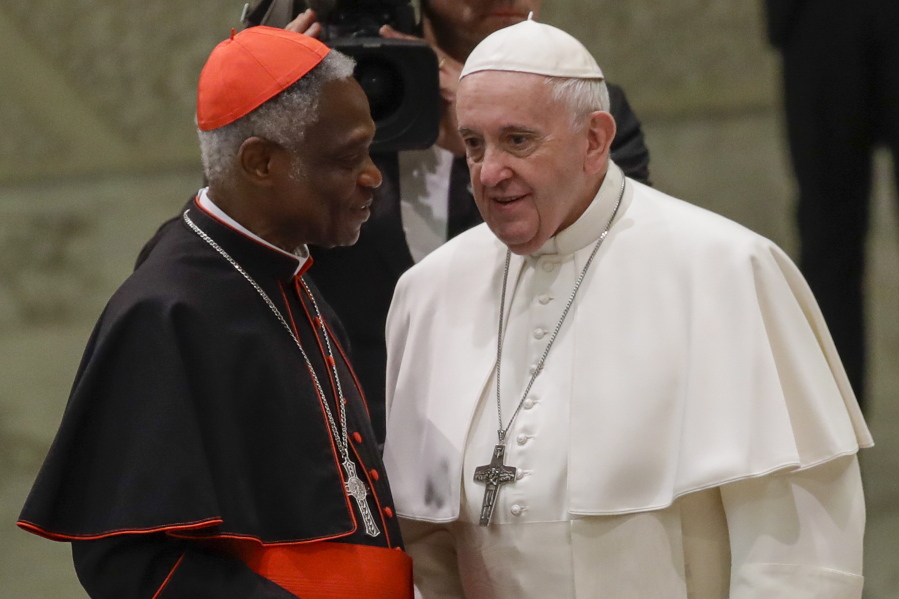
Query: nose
pixel 493 168
pixel 370 175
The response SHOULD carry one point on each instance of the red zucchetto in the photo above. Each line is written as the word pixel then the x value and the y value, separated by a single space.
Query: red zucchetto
pixel 250 68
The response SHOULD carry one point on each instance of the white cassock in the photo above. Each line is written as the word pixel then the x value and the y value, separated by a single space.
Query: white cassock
pixel 692 435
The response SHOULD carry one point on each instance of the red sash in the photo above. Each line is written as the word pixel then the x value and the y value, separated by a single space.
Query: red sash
pixel 326 570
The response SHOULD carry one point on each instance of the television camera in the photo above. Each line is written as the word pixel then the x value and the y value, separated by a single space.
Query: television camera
pixel 399 77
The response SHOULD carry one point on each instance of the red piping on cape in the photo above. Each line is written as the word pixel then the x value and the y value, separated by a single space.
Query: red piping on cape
pixel 349 366
pixel 340 350
pixel 257 540
pixel 173 531
pixel 53 536
pixel 334 391
pixel 320 321
pixel 322 400
pixel 169 577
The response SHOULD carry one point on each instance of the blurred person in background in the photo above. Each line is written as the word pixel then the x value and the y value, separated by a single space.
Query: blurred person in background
pixel 841 95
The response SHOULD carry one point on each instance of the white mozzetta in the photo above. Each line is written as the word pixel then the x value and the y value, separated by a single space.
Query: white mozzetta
pixel 698 358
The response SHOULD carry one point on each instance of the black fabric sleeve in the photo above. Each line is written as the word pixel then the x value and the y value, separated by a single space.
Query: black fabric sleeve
pixel 629 149
pixel 156 566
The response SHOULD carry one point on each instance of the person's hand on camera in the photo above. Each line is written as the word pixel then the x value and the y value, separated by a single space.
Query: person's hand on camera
pixel 450 69
pixel 306 24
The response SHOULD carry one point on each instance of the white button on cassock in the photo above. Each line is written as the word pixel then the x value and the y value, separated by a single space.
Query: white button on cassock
pixel 516 510
pixel 527 404
pixel 522 439
pixel 539 333
pixel 544 299
pixel 548 266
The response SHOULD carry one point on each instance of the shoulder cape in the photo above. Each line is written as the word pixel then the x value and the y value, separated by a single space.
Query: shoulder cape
pixel 701 359
pixel 194 413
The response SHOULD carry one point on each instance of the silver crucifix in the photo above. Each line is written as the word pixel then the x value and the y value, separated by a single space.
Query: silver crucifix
pixel 494 474
pixel 355 488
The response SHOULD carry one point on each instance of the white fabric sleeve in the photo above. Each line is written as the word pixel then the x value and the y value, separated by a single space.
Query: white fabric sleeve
pixel 434 564
pixel 797 535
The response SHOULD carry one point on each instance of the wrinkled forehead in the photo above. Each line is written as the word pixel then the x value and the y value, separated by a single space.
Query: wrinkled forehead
pixel 492 99
pixel 501 87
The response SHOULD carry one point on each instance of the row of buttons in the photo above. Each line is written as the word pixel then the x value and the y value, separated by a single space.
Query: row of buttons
pixel 374 474
pixel 522 439
pixel 528 403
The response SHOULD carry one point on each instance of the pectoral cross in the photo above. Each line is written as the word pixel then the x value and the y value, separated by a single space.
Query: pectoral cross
pixel 355 488
pixel 494 474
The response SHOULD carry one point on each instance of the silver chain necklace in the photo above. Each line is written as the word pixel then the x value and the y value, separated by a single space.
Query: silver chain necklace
pixel 497 473
pixel 353 486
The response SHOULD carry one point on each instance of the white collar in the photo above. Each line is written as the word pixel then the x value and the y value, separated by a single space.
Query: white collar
pixel 590 225
pixel 206 203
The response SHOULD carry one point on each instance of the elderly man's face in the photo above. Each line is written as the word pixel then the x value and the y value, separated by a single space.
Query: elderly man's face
pixel 327 201
pixel 465 23
pixel 532 173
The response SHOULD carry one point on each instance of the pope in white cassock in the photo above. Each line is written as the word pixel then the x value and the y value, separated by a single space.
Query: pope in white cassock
pixel 606 392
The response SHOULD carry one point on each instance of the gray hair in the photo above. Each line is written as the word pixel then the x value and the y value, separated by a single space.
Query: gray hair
pixel 283 119
pixel 580 96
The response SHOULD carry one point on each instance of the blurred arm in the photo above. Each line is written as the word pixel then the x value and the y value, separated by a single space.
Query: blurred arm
pixel 629 149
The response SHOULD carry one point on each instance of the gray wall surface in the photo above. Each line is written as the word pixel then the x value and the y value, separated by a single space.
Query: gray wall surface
pixel 97 147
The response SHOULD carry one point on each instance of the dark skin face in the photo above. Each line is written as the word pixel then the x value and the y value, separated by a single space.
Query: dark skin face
pixel 320 194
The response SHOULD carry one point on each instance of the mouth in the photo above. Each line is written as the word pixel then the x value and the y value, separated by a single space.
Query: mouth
pixel 506 200
pixel 365 209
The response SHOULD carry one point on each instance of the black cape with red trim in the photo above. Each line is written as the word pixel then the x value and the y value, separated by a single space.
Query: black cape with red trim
pixel 193 411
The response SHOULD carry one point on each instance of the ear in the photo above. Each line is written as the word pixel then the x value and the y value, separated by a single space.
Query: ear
pixel 259 160
pixel 600 133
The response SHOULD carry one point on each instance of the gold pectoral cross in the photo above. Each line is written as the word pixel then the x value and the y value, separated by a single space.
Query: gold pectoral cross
pixel 494 475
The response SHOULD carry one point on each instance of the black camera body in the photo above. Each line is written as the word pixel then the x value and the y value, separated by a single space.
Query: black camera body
pixel 399 77
pixel 363 18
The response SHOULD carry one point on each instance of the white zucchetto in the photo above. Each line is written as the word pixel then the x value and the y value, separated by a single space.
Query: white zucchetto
pixel 532 47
